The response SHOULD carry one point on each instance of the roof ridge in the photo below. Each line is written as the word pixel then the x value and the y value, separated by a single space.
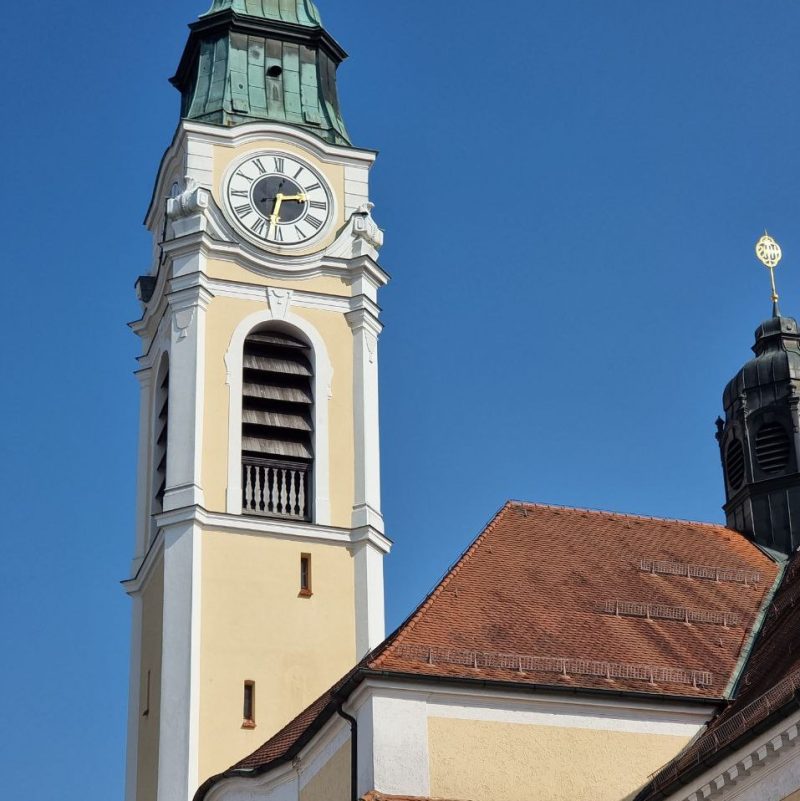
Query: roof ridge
pixel 410 622
pixel 610 513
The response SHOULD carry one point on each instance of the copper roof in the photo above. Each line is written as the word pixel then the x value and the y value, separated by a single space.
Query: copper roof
pixel 569 598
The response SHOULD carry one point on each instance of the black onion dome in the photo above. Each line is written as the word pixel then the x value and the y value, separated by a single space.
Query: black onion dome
pixel 777 360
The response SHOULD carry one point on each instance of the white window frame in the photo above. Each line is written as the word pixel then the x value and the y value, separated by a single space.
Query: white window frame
pixel 323 375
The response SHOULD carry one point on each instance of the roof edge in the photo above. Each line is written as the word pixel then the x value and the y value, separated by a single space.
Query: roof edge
pixel 681 780
pixel 755 632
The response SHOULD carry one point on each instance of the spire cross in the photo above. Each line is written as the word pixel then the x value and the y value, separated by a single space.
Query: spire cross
pixel 769 254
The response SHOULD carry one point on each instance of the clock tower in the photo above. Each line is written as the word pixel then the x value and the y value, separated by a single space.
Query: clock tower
pixel 257 576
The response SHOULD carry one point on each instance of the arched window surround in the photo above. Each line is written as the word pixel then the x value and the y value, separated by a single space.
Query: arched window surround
pixel 323 375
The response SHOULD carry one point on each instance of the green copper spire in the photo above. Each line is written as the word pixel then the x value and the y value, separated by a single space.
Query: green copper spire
pixel 298 12
pixel 250 60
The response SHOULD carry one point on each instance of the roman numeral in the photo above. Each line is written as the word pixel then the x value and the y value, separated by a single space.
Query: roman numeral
pixel 280 165
pixel 300 232
pixel 298 173
pixel 244 210
pixel 258 226
pixel 246 177
pixel 238 193
pixel 259 166
pixel 278 234
pixel 312 187
pixel 314 222
pixel 318 204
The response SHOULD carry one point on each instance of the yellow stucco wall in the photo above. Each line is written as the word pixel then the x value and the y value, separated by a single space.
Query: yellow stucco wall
pixel 488 761
pixel 152 627
pixel 222 318
pixel 323 284
pixel 332 783
pixel 255 627
pixel 795 796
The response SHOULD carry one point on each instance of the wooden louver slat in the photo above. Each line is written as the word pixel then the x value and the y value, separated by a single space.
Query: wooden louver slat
pixel 277 398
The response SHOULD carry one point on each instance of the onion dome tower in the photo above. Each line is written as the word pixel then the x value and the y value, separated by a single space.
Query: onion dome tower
pixel 760 435
pixel 250 60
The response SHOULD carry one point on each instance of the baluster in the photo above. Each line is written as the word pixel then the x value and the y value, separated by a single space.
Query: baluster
pixel 269 489
pixel 297 481
pixel 301 493
pixel 284 495
pixel 248 495
pixel 290 492
pixel 260 478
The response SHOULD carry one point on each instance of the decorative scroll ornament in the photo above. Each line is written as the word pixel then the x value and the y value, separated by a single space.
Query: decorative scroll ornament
pixel 360 237
pixel 769 254
pixel 364 227
pixel 191 200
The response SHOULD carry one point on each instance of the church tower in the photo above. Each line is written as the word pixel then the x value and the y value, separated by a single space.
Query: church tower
pixel 257 576
pixel 760 436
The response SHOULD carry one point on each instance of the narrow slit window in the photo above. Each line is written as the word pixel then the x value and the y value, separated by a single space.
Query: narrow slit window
pixel 249 705
pixel 146 712
pixel 305 575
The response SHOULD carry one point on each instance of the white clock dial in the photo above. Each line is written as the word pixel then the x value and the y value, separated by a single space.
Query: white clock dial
pixel 276 199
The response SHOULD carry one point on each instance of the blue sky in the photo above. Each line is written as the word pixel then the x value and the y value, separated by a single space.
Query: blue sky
pixel 571 192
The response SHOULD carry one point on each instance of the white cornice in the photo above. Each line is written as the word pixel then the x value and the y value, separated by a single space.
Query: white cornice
pixel 518 702
pixel 251 133
pixel 134 585
pixel 213 287
pixel 769 748
pixel 254 526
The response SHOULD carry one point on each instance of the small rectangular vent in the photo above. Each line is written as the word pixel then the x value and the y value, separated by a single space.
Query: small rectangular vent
pixel 735 575
pixel 661 612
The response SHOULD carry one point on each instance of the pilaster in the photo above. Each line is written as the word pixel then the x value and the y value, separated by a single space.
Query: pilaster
pixel 186 394
pixel 180 708
pixel 143 471
pixel 367 506
pixel 134 690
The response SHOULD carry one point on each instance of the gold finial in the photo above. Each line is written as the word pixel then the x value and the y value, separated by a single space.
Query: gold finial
pixel 769 254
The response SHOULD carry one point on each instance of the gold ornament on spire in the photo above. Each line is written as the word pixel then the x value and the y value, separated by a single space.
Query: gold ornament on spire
pixel 769 254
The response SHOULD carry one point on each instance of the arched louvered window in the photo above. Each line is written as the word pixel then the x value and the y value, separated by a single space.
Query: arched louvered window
pixel 734 464
pixel 277 426
pixel 772 448
pixel 160 444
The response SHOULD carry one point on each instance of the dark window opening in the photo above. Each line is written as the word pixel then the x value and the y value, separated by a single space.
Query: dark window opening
pixel 277 426
pixel 160 445
pixel 305 575
pixel 249 712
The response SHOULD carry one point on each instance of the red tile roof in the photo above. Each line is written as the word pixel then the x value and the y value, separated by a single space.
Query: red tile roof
pixel 768 688
pixel 572 598
pixel 543 584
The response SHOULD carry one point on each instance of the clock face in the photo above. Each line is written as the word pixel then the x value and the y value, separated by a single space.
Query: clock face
pixel 276 199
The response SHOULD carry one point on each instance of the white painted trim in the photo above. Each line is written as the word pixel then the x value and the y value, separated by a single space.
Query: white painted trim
pixel 315 756
pixel 178 768
pixel 190 137
pixel 742 771
pixel 441 696
pixel 367 502
pixel 369 596
pixel 323 377
pixel 144 466
pixel 134 702
pixel 251 526
pixel 186 393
